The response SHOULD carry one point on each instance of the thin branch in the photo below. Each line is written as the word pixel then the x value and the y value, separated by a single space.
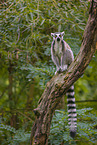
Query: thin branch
pixel 24 115
pixel 84 101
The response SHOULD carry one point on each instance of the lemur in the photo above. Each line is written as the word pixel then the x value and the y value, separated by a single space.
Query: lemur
pixel 62 57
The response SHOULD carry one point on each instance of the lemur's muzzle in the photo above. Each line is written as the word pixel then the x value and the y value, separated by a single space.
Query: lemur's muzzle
pixel 58 39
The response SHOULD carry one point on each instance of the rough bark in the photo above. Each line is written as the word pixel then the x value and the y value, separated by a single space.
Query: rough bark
pixel 60 83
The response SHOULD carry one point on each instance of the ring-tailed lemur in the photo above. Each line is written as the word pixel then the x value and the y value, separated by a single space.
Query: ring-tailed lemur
pixel 62 57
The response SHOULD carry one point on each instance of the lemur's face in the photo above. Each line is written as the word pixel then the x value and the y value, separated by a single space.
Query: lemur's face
pixel 58 36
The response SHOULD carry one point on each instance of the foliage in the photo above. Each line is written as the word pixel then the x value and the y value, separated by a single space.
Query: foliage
pixel 45 73
pixel 59 132
pixel 88 89
pixel 86 128
pixel 25 60
pixel 12 136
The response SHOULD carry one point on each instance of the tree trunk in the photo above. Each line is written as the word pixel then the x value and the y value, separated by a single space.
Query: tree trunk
pixel 60 83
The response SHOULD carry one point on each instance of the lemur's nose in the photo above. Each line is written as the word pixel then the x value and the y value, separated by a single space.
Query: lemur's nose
pixel 58 39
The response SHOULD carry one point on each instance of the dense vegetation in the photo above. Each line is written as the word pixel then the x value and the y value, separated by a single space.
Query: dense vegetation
pixel 26 66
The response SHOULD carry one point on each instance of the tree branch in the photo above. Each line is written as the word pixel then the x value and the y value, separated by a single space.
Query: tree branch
pixel 60 83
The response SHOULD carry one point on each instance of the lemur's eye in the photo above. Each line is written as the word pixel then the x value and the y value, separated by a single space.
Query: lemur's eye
pixel 55 36
pixel 60 35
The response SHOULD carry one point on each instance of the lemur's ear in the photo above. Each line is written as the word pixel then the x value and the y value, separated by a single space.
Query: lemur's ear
pixel 62 33
pixel 52 34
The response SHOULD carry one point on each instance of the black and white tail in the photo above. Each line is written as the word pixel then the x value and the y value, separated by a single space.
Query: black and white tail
pixel 72 115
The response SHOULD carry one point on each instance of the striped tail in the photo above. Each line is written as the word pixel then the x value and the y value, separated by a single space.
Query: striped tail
pixel 72 115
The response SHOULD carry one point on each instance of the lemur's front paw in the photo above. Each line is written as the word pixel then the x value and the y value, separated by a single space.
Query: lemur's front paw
pixel 64 68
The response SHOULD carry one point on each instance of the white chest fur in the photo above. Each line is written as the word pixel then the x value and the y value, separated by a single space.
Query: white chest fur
pixel 58 48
